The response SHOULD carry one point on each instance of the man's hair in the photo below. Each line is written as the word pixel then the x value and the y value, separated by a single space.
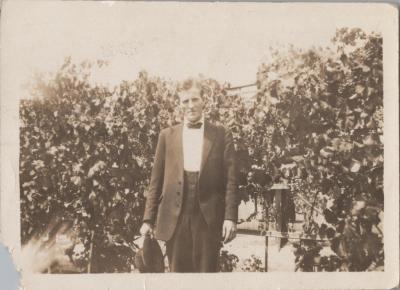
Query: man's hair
pixel 190 83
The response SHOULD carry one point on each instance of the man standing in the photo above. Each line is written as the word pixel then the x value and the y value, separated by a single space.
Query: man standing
pixel 192 199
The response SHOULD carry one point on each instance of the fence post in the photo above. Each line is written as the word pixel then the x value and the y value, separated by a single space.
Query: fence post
pixel 89 268
pixel 280 192
pixel 266 254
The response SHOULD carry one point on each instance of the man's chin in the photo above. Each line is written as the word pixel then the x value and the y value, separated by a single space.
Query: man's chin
pixel 194 120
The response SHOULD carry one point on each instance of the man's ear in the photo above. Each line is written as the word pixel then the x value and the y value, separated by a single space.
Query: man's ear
pixel 180 112
pixel 205 101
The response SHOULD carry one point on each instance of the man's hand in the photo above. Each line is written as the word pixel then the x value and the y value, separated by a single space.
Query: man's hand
pixel 146 229
pixel 228 231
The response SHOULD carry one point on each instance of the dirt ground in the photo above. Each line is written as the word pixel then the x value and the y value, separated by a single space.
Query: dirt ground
pixel 246 245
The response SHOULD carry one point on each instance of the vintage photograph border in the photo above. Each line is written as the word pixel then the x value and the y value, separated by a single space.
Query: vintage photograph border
pixel 9 205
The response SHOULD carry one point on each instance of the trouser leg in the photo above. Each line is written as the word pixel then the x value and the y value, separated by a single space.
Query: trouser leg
pixel 206 244
pixel 194 247
pixel 179 248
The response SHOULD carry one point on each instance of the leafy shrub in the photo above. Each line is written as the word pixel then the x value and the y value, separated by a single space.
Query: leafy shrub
pixel 319 112
pixel 227 261
pixel 252 264
pixel 86 156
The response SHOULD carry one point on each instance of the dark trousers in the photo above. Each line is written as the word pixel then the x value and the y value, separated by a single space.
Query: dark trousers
pixel 194 247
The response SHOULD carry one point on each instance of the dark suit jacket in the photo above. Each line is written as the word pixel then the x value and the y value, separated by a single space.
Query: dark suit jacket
pixel 217 180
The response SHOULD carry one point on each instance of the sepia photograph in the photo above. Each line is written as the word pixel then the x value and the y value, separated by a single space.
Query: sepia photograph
pixel 172 137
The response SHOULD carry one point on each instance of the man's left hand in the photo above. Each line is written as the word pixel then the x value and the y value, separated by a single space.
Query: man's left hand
pixel 228 231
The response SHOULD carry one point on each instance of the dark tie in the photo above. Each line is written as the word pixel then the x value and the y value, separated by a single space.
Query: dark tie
pixel 194 125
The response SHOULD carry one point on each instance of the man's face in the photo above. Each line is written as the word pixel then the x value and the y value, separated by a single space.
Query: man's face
pixel 192 104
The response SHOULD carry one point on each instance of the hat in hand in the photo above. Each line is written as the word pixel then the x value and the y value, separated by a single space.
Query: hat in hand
pixel 149 259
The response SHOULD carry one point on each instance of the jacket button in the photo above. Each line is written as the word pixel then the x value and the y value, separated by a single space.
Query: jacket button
pixel 178 193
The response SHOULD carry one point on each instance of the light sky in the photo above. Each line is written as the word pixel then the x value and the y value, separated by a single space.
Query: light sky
pixel 225 41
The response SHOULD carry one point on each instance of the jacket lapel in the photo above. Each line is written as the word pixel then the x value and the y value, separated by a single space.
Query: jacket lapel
pixel 209 135
pixel 177 146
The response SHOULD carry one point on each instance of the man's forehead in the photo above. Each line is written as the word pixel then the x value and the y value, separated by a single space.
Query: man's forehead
pixel 188 94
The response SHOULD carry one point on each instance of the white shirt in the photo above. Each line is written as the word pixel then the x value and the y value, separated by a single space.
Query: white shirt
pixel 192 146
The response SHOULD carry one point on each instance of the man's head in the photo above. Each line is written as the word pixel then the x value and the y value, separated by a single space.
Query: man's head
pixel 191 100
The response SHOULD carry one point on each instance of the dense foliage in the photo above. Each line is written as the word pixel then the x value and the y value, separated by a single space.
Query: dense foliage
pixel 320 112
pixel 86 151
pixel 86 155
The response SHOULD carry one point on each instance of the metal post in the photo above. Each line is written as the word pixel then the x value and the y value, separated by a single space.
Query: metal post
pixel 89 268
pixel 278 208
pixel 266 254
pixel 280 195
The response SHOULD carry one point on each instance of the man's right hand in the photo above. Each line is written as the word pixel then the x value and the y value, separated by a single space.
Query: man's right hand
pixel 146 229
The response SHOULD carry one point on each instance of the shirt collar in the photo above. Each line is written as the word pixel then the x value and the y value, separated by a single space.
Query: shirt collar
pixel 185 122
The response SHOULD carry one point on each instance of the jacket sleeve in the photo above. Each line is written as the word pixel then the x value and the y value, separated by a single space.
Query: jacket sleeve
pixel 156 182
pixel 231 198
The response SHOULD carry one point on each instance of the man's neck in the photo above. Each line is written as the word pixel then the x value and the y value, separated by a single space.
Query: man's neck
pixel 186 121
